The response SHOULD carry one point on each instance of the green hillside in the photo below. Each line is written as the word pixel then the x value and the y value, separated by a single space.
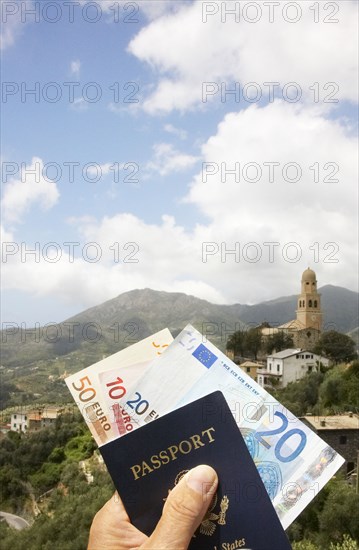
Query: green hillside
pixel 49 461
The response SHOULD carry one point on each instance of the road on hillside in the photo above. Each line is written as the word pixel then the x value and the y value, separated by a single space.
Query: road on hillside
pixel 16 522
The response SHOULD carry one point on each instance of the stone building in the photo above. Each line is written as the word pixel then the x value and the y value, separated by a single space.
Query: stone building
pixel 306 328
pixel 340 432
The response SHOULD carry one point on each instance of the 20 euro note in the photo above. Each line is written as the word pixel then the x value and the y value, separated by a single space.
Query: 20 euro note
pixel 85 385
pixel 293 462
pixel 167 379
pixel 114 386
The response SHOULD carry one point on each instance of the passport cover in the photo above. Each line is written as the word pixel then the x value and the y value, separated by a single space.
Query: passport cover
pixel 148 462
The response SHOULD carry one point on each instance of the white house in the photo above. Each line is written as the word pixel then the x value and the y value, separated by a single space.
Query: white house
pixel 288 366
pixel 19 421
pixel 34 419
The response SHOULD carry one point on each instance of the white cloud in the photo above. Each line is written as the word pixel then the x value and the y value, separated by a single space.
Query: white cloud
pixel 101 169
pixel 178 132
pixel 75 67
pixel 282 133
pixel 213 51
pixel 79 104
pixel 12 23
pixel 128 12
pixel 170 257
pixel 5 235
pixel 31 188
pixel 159 250
pixel 168 160
pixel 153 9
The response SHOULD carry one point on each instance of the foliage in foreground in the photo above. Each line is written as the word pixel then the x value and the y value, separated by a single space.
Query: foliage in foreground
pixel 346 544
pixel 67 523
pixel 333 513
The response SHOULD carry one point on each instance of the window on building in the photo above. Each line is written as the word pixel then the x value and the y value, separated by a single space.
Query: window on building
pixel 315 303
pixel 248 369
pixel 342 439
pixel 310 303
pixel 15 425
pixel 270 368
pixel 265 379
pixel 307 356
pixel 278 368
pixel 14 415
pixel 310 368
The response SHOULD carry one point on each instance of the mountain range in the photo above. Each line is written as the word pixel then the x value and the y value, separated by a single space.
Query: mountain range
pixel 133 315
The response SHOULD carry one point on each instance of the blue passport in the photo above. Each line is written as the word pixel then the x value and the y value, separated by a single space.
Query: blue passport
pixel 147 463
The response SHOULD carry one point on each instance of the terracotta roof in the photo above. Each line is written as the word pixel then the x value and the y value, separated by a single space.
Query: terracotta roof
pixel 34 416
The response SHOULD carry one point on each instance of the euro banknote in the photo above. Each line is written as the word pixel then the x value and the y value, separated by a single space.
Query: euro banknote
pixel 166 379
pixel 114 386
pixel 86 387
pixel 293 462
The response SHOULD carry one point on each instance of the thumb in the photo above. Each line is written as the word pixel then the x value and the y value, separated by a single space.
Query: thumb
pixel 184 510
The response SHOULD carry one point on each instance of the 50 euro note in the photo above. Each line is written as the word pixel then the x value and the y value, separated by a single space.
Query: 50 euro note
pixel 86 386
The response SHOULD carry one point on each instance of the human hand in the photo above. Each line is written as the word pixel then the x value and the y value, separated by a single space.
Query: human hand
pixel 183 512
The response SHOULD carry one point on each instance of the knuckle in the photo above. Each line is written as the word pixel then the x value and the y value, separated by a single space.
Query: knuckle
pixel 182 508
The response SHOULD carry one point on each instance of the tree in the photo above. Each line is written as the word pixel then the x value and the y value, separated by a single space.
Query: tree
pixel 278 342
pixel 347 544
pixel 340 514
pixel 236 343
pixel 244 342
pixel 340 388
pixel 253 341
pixel 336 346
pixel 304 545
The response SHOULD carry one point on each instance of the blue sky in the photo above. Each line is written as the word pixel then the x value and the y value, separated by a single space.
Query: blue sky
pixel 167 141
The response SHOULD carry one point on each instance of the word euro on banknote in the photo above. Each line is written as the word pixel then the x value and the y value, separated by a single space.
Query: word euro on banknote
pixel 293 462
pixel 85 385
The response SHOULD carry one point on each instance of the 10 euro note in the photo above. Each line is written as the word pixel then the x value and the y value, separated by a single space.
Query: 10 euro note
pixel 86 386
pixel 114 386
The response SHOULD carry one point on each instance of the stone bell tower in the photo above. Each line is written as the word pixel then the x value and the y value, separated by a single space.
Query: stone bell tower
pixel 309 313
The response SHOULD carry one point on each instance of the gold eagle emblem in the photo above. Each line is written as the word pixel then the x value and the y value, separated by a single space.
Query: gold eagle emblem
pixel 208 524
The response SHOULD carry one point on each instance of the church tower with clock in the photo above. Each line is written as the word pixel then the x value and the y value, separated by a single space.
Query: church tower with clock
pixel 309 313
